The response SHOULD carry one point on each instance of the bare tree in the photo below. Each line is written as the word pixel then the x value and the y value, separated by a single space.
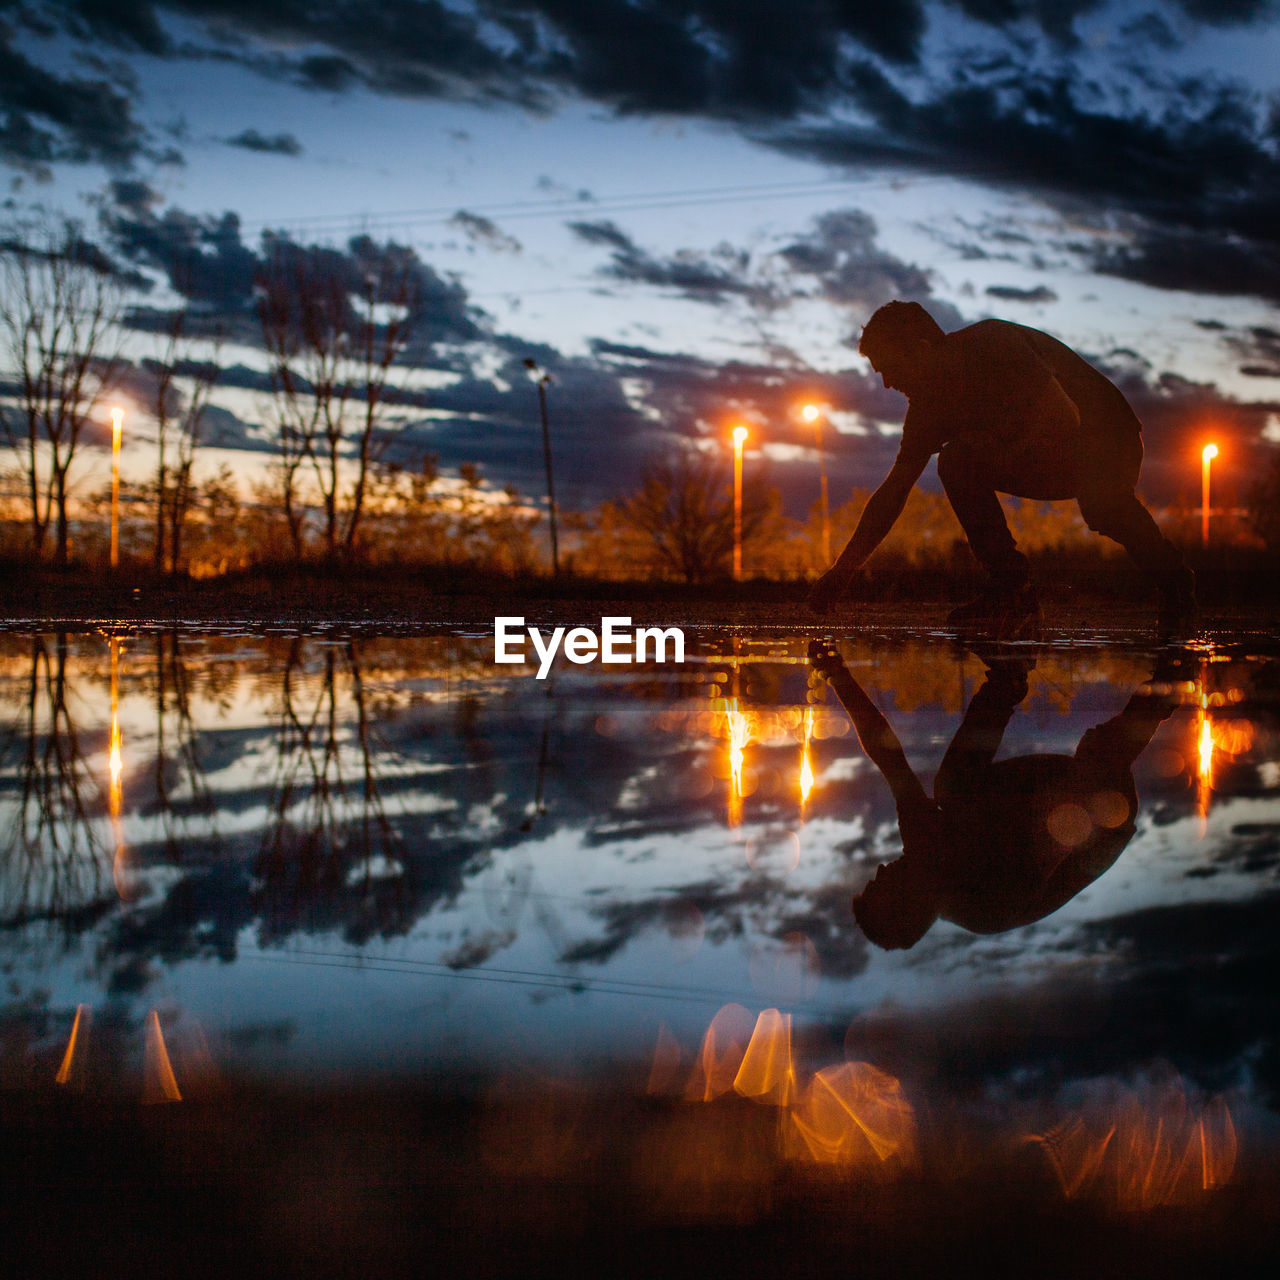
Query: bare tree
pixel 684 508
pixel 59 326
pixel 177 420
pixel 334 325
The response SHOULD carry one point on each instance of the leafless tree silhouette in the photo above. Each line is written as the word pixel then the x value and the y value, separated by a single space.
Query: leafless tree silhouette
pixel 58 318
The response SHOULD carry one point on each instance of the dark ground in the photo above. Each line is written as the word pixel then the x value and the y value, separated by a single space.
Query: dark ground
pixel 385 603
pixel 449 1182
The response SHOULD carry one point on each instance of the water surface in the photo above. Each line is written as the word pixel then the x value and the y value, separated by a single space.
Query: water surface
pixel 349 858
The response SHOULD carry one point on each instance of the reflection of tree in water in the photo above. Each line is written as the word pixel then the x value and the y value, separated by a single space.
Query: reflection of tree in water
pixel 406 782
pixel 181 797
pixel 54 862
pixel 329 855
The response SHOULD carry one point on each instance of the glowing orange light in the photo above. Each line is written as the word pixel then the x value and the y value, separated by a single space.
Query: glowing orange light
pixel 1075 1153
pixel 1204 754
pixel 1145 1151
pixel 666 1062
pixel 1235 737
pixel 721 1054
pixel 159 1084
pixel 1217 1142
pixel 117 416
pixel 738 729
pixel 73 1059
pixel 1206 749
pixel 115 764
pixel 740 434
pixel 767 1072
pixel 855 1114
pixel 1207 454
pixel 810 412
pixel 125 886
pixel 806 766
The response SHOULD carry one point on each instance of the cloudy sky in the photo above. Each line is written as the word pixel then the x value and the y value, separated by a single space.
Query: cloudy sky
pixel 685 209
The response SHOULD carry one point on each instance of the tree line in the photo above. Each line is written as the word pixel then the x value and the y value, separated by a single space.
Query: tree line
pixel 333 329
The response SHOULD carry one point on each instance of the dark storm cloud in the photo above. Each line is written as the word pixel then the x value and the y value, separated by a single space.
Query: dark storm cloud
pixel 695 398
pixel 746 60
pixel 694 395
pixel 1192 171
pixel 848 268
pixel 615 412
pixel 204 258
pixel 1195 260
pixel 698 277
pixel 1011 293
pixel 484 232
pixel 1058 134
pixel 207 261
pixel 600 441
pixel 404 48
pixel 280 144
pixel 841 83
pixel 46 118
pixel 1055 17
pixel 127 24
pixel 1259 348
pixel 1151 29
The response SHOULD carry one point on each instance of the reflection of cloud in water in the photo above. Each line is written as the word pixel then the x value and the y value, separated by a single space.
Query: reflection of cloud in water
pixel 376 800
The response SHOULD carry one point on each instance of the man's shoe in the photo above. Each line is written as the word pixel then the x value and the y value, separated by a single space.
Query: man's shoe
pixel 1000 612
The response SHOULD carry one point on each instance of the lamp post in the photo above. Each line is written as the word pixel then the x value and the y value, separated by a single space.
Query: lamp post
pixel 1207 455
pixel 813 413
pixel 117 417
pixel 541 378
pixel 739 438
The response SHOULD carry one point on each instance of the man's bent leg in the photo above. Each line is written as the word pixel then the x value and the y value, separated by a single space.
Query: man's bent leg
pixel 1122 517
pixel 965 473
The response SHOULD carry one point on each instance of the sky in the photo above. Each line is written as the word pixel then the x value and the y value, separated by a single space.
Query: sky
pixel 685 210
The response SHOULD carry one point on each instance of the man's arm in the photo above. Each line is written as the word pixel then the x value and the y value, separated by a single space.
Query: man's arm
pixel 878 516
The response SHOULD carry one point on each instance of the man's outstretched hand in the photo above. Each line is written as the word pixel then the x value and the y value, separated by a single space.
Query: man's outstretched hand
pixel 825 658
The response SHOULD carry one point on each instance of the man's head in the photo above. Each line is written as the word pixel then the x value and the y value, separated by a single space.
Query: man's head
pixel 899 340
pixel 896 909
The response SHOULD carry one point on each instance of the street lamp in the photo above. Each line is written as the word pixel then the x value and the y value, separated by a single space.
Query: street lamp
pixel 541 378
pixel 1207 455
pixel 813 413
pixel 739 438
pixel 117 417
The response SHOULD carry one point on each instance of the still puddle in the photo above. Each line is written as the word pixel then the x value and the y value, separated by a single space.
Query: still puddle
pixel 286 858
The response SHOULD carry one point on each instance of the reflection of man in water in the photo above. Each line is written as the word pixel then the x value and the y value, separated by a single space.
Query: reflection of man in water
pixel 1000 844
pixel 1007 409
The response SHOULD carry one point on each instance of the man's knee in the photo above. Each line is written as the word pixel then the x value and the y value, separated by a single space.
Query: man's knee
pixel 1112 514
pixel 960 463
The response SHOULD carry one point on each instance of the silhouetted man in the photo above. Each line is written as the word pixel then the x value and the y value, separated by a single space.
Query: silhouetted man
pixel 1000 844
pixel 1007 409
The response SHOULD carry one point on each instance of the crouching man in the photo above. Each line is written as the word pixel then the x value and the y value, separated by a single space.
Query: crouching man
pixel 1007 409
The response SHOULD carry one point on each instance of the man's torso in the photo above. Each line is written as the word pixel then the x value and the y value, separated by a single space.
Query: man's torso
pixel 985 374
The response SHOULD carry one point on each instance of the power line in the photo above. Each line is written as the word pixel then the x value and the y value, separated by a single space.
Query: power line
pixel 441 215
pixel 636 989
